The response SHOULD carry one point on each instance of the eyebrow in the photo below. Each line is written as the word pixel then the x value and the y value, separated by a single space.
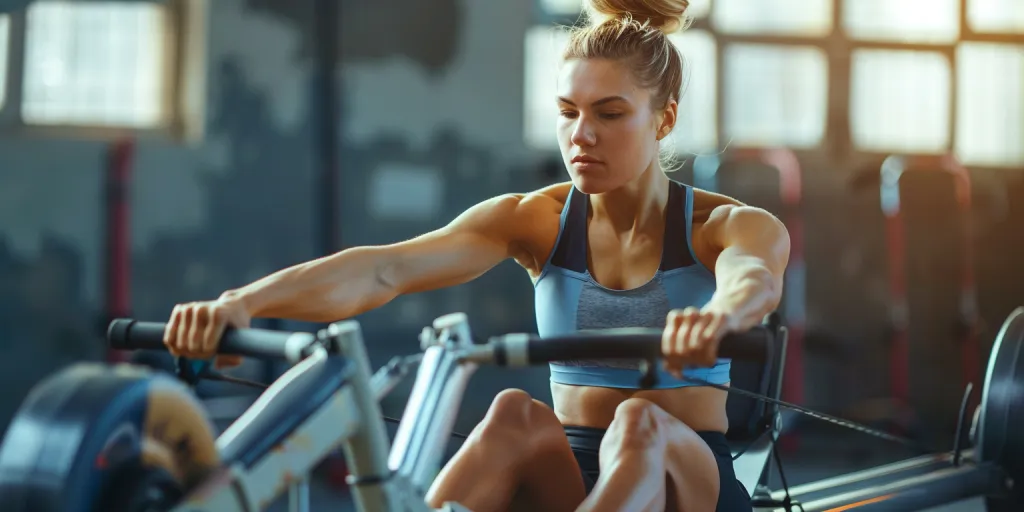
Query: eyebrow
pixel 601 101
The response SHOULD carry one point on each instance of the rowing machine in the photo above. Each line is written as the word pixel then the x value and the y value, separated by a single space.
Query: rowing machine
pixel 124 439
pixel 102 437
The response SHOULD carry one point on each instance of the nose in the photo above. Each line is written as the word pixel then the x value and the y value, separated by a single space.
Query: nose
pixel 583 134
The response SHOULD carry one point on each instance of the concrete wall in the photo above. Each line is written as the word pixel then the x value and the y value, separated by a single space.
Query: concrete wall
pixel 427 130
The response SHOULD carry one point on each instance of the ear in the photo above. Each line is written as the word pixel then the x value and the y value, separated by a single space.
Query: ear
pixel 667 119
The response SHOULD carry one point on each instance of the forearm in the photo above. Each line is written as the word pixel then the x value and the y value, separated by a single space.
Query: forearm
pixel 747 295
pixel 327 289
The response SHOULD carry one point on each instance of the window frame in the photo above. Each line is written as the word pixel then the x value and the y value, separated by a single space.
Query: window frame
pixel 184 96
pixel 837 142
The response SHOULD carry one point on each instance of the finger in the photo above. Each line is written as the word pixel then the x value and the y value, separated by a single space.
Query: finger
pixel 695 340
pixel 678 349
pixel 713 329
pixel 690 318
pixel 212 331
pixel 672 323
pixel 710 338
pixel 171 331
pixel 186 334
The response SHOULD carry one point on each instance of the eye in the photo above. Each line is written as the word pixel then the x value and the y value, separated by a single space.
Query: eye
pixel 611 115
pixel 568 114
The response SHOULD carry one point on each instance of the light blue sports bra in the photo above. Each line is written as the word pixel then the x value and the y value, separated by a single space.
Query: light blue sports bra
pixel 568 299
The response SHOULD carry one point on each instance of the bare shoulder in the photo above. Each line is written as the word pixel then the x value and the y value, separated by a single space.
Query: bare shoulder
pixel 707 204
pixel 551 196
pixel 535 222
pixel 720 221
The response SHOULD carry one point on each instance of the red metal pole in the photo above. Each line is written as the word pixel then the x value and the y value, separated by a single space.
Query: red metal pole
pixel 120 159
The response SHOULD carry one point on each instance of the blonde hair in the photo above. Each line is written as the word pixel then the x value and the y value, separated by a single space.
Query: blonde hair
pixel 635 33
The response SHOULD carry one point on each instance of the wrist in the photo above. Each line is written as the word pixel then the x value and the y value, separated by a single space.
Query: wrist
pixel 241 298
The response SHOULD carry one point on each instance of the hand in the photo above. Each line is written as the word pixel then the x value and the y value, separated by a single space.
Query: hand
pixel 691 337
pixel 195 329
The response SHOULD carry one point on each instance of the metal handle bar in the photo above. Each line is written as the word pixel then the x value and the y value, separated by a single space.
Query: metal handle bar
pixel 525 349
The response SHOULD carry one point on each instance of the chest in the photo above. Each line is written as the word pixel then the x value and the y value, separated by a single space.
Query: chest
pixel 626 263
pixel 623 262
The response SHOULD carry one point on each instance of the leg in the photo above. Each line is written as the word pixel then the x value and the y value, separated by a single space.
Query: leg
pixel 651 461
pixel 517 453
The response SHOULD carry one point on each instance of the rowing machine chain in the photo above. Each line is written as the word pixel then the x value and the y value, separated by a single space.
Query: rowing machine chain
pixel 815 414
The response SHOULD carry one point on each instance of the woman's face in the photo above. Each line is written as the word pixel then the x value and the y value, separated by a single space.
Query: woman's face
pixel 607 131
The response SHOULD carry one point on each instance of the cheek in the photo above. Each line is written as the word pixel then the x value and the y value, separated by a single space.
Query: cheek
pixel 633 141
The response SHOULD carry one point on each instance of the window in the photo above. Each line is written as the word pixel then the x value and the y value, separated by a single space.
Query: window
pixel 543 53
pixel 900 100
pixel 800 17
pixel 97 68
pixel 996 15
pixel 990 113
pixel 696 127
pixel 4 27
pixel 561 7
pixel 98 64
pixel 697 8
pixel 775 95
pixel 908 21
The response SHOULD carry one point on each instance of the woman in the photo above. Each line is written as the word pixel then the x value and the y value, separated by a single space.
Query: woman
pixel 621 245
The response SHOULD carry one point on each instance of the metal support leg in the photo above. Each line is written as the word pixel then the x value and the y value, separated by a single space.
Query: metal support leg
pixel 298 496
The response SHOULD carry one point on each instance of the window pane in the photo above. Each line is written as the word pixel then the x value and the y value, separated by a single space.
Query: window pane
pixel 94 64
pixel 996 15
pixel 800 17
pixel 697 8
pixel 990 104
pixel 909 21
pixel 900 100
pixel 544 46
pixel 696 128
pixel 775 95
pixel 3 57
pixel 561 7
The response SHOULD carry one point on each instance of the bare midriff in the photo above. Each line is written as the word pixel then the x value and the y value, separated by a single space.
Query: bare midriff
pixel 699 407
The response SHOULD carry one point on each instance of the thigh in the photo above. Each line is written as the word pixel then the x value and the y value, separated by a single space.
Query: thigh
pixel 693 481
pixel 551 477
pixel 684 466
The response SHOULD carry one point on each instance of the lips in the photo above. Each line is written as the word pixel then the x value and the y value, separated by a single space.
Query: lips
pixel 584 159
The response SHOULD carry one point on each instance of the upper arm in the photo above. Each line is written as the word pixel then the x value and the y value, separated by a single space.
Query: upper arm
pixel 749 239
pixel 470 245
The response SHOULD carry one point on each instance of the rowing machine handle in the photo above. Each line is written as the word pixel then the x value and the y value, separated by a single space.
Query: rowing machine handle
pixel 128 334
pixel 629 343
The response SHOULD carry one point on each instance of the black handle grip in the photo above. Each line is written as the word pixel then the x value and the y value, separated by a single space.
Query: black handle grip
pixel 128 334
pixel 637 343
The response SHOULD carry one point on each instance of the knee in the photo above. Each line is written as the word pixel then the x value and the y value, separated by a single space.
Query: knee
pixel 513 413
pixel 637 424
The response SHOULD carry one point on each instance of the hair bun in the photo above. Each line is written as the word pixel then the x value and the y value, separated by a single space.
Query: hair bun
pixel 667 16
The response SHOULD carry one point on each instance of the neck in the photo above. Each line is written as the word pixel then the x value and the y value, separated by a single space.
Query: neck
pixel 637 204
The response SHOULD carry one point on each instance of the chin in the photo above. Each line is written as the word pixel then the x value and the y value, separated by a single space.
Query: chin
pixel 590 184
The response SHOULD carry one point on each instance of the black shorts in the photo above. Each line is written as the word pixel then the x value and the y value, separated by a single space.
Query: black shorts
pixel 732 497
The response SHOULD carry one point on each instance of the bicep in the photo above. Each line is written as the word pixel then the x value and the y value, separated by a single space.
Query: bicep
pixel 463 250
